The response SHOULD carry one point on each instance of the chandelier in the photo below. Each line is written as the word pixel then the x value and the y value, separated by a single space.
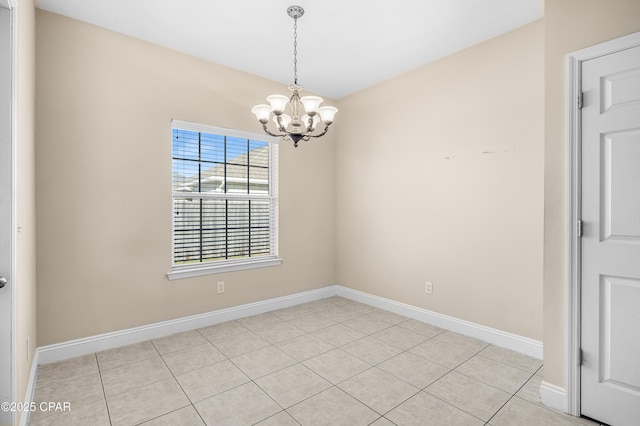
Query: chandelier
pixel 295 118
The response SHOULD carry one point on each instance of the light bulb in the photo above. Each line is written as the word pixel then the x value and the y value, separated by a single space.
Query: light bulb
pixel 262 112
pixel 327 113
pixel 278 102
pixel 285 119
pixel 305 120
pixel 311 103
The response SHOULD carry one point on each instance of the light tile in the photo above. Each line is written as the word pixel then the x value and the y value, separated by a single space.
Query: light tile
pixel 338 335
pixel 187 416
pixel 292 385
pixel 280 332
pixel 240 343
pixel 531 390
pixel 213 379
pixel 371 350
pixel 94 414
pixel 233 408
pixel 338 300
pixel 382 422
pixel 367 324
pixel 222 331
pixel 145 403
pixel 305 347
pixel 340 314
pixel 193 358
pixel 259 321
pixel 420 327
pixel 387 316
pixel 292 312
pixel 178 341
pixel 336 365
pixel 67 369
pixel 494 373
pixel 512 358
pixel 423 409
pixel 360 307
pixel 117 357
pixel 400 337
pixel 414 369
pixel 441 353
pixel 520 412
pixel 312 322
pixel 121 379
pixel 319 305
pixel 280 419
pixel 378 390
pixel 469 395
pixel 77 391
pixel 303 373
pixel 263 361
pixel 460 341
pixel 332 407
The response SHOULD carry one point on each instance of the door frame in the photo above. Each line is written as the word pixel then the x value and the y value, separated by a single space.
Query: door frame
pixel 11 6
pixel 574 214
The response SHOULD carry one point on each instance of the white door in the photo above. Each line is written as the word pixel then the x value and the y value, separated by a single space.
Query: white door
pixel 610 304
pixel 6 201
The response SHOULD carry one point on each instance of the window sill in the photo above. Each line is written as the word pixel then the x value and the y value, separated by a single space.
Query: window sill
pixel 180 272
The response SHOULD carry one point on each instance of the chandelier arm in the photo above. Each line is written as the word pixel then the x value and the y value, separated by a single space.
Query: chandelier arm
pixel 279 123
pixel 310 126
pixel 324 132
pixel 267 131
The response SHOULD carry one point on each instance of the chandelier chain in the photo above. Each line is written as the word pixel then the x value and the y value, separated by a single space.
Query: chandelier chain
pixel 295 50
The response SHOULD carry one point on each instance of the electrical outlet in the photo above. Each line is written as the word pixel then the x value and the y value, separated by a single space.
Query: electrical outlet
pixel 220 287
pixel 428 287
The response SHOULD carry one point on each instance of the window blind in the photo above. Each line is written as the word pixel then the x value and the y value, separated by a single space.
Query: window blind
pixel 224 196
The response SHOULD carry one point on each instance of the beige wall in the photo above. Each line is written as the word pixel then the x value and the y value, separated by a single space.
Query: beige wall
pixel 26 210
pixel 440 178
pixel 570 25
pixel 104 108
pixel 416 196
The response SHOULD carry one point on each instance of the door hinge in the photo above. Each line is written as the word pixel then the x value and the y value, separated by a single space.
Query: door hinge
pixel 579 230
pixel 580 357
pixel 580 100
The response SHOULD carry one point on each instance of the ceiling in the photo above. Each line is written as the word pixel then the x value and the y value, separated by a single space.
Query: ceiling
pixel 343 45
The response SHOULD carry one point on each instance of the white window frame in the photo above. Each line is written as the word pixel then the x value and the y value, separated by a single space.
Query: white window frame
pixel 220 266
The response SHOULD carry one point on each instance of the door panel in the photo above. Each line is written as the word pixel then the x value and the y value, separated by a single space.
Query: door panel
pixel 619 200
pixel 610 264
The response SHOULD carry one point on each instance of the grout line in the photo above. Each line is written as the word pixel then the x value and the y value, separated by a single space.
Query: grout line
pixel 104 394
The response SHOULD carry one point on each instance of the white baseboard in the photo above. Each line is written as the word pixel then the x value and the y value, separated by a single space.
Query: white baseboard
pixel 88 345
pixel 30 393
pixel 500 338
pixel 553 396
pixel 74 348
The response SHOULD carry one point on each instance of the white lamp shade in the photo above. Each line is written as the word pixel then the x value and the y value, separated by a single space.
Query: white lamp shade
pixel 305 120
pixel 327 113
pixel 311 103
pixel 278 102
pixel 285 120
pixel 261 111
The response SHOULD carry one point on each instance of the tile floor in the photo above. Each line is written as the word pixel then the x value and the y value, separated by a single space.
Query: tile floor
pixel 329 362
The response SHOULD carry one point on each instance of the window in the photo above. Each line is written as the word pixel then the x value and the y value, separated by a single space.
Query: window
pixel 224 200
